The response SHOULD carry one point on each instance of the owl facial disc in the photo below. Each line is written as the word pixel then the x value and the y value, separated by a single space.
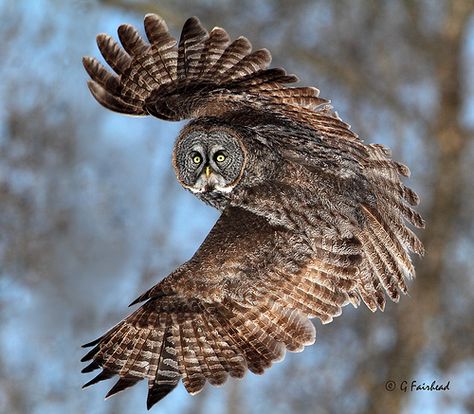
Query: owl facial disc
pixel 208 160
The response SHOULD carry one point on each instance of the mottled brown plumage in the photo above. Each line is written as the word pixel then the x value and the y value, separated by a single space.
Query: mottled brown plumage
pixel 312 218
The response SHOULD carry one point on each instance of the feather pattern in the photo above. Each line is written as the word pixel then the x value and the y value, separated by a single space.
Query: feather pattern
pixel 218 71
pixel 315 218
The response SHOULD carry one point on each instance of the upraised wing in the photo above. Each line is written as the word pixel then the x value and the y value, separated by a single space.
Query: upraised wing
pixel 204 74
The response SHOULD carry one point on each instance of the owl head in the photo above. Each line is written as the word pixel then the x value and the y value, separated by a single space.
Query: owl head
pixel 209 159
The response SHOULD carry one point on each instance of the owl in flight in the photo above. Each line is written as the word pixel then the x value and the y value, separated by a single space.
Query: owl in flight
pixel 311 218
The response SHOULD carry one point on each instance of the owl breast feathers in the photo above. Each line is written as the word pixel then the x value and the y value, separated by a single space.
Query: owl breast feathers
pixel 312 218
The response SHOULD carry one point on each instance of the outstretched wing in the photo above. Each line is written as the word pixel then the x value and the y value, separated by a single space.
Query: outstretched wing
pixel 204 74
pixel 240 302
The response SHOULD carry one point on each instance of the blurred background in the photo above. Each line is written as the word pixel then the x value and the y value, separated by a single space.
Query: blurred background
pixel 91 214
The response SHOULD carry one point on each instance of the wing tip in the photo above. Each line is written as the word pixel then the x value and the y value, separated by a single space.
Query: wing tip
pixel 193 20
pixel 122 384
pixel 153 16
pixel 157 393
pixel 134 302
pixel 102 376
pixel 102 36
pixel 91 367
pixel 92 343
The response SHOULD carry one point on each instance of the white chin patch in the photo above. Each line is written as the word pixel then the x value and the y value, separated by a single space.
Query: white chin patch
pixel 227 189
pixel 215 182
pixel 217 188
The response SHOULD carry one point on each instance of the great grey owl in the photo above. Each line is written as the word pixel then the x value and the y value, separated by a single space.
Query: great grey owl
pixel 312 218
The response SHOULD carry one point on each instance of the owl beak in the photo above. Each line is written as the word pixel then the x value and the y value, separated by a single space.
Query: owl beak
pixel 208 171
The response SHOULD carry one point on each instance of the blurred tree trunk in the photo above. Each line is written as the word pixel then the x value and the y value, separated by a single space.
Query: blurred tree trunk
pixel 415 317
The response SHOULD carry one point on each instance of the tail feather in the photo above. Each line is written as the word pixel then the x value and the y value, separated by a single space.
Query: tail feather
pixel 201 350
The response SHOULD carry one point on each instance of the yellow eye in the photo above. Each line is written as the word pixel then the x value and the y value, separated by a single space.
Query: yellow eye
pixel 220 157
pixel 197 159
